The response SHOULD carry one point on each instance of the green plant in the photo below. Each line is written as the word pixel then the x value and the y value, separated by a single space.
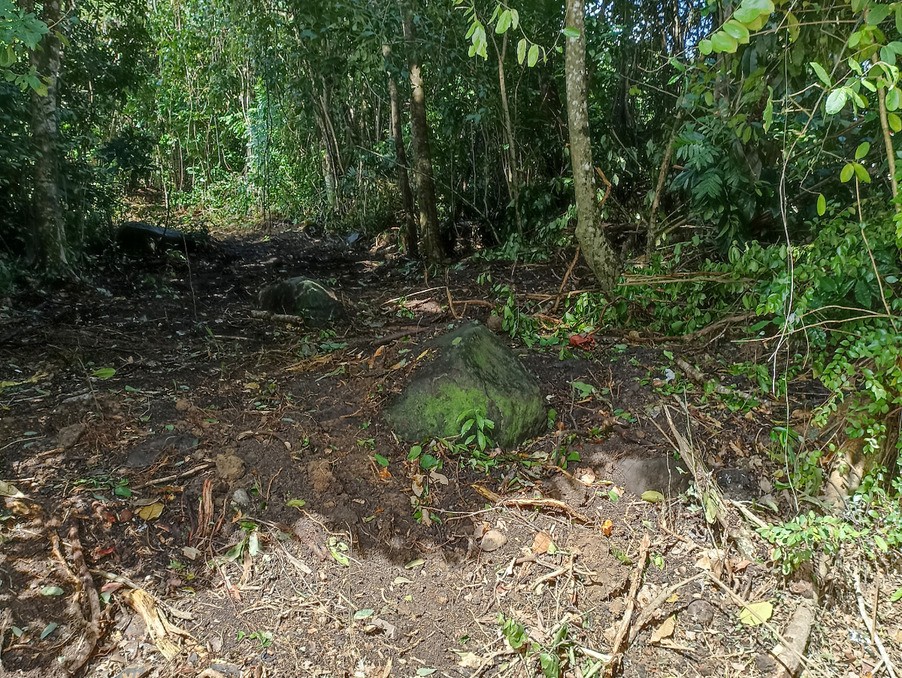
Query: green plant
pixel 248 541
pixel 103 482
pixel 552 658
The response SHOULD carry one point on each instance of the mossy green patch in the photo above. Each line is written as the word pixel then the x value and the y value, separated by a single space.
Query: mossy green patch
pixel 473 370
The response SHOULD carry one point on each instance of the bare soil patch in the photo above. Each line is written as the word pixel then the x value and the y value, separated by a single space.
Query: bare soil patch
pixel 215 480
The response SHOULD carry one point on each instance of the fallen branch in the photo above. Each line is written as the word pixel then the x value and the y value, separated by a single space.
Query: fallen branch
pixel 713 327
pixel 88 593
pixel 696 375
pixel 279 317
pixel 797 632
pixel 177 476
pixel 168 638
pixel 716 508
pixel 871 625
pixel 524 502
pixel 620 645
pixel 649 610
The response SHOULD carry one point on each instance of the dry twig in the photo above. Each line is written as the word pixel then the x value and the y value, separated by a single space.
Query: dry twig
pixel 620 644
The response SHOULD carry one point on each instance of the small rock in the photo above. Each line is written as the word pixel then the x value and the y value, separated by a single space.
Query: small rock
pixel 701 611
pixel 321 476
pixel 241 498
pixel 494 323
pixel 229 467
pixel 182 405
pixel 492 541
pixel 69 436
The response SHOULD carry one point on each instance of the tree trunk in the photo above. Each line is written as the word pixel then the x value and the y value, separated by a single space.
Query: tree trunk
pixel 513 173
pixel 409 224
pixel 419 129
pixel 595 246
pixel 48 241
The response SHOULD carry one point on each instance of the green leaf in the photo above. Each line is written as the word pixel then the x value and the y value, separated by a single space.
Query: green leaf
pixel 724 42
pixel 893 99
pixel 861 173
pixel 365 613
pixel 103 373
pixel 415 452
pixel 425 671
pixel 515 19
pixel 381 460
pixel 821 73
pixel 846 173
pixel 755 614
pixel 768 114
pixel 876 14
pixel 761 6
pixel 504 22
pixel 899 18
pixel 836 100
pixel 737 30
pixel 705 47
pixel 570 32
pixel 51 591
pixel 862 150
pixel 821 205
pixel 897 596
pixel 521 50
pixel 50 628
pixel 746 15
pixel 532 57
pixel 652 496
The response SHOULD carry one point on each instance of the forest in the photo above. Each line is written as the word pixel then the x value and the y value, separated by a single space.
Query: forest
pixel 450 337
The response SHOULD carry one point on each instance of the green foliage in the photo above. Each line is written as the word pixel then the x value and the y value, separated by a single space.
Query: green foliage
pixel 20 33
pixel 870 527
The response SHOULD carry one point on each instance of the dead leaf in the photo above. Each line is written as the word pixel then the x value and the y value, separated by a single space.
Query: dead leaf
pixel 607 528
pixel 755 614
pixel 440 478
pixel 665 630
pixel 470 660
pixel 151 511
pixel 585 475
pixel 541 543
pixel 10 490
pixel 417 485
pixel 492 541
pixel 378 352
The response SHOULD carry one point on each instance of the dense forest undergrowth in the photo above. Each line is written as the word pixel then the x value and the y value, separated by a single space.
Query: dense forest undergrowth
pixel 683 218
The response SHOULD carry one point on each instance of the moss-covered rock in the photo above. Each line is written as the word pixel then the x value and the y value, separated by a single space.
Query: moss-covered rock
pixel 302 297
pixel 472 370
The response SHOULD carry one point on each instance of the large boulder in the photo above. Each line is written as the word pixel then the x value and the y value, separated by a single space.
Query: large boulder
pixel 302 297
pixel 472 370
pixel 138 238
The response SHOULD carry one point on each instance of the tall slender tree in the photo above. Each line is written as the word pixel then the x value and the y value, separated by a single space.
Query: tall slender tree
pixel 595 246
pixel 48 236
pixel 419 129
pixel 409 224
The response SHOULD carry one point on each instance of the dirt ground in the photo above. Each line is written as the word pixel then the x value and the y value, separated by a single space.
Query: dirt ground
pixel 206 490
